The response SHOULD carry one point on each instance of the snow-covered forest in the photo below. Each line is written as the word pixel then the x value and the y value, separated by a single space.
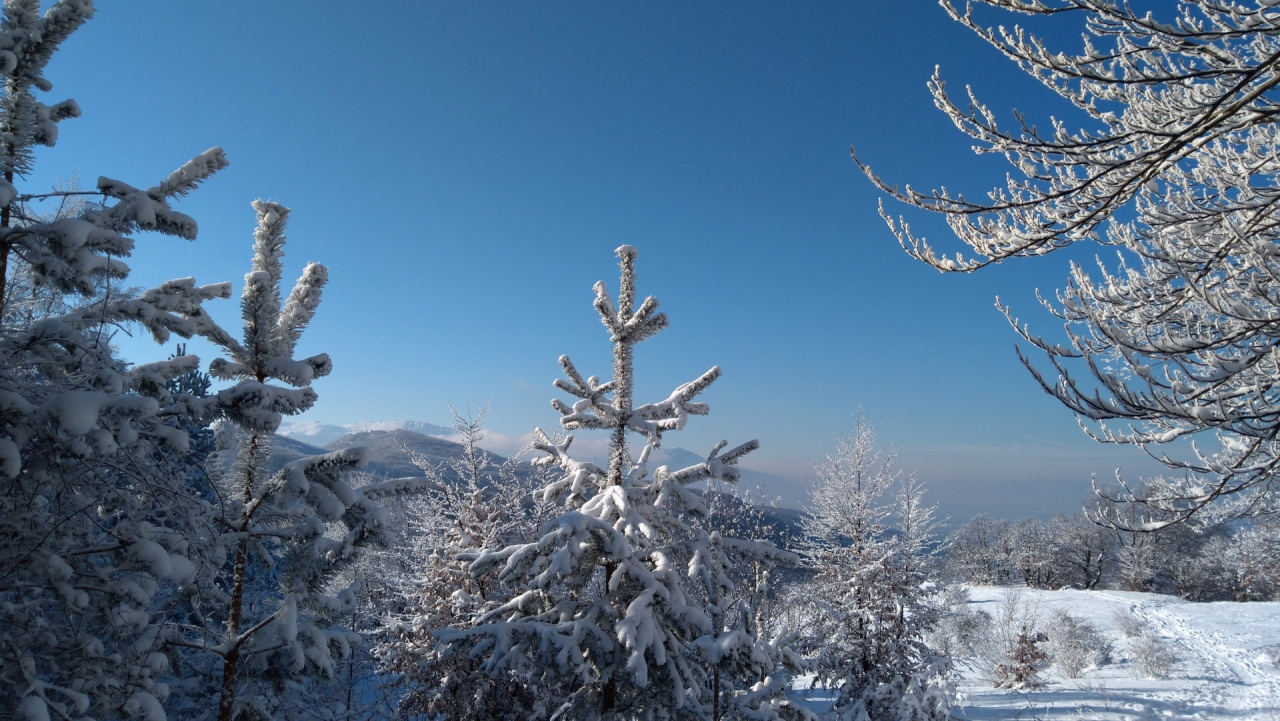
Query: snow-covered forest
pixel 169 553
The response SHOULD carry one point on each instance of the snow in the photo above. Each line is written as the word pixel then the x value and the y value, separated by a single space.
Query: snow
pixel 1225 667
pixel 318 433
pixel 428 429
pixel 33 709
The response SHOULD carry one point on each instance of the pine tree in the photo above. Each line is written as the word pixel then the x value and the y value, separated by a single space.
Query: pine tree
pixel 269 632
pixel 95 516
pixel 615 604
pixel 475 504
pixel 1025 660
pixel 745 608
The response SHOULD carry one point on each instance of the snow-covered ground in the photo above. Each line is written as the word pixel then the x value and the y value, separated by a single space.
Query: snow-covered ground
pixel 1224 668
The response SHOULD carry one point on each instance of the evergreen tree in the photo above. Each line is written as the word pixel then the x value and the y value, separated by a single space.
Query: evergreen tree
pixel 268 633
pixel 1025 659
pixel 95 518
pixel 475 504
pixel 618 607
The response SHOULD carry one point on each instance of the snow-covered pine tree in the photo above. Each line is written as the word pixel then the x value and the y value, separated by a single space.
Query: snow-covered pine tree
pixel 1025 659
pixel 614 605
pixel 94 514
pixel 869 589
pixel 745 606
pixel 200 440
pixel 916 526
pixel 266 634
pixel 477 504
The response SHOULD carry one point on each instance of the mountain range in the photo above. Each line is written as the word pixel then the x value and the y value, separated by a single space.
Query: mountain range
pixel 316 433
pixel 393 442
pixel 391 454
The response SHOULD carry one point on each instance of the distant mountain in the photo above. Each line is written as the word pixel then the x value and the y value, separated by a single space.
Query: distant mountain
pixel 285 449
pixel 390 451
pixel 426 429
pixel 676 458
pixel 319 434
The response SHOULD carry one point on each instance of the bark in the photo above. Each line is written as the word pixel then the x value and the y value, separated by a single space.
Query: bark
pixel 231 662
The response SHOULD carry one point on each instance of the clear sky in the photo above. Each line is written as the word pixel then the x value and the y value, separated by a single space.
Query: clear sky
pixel 466 169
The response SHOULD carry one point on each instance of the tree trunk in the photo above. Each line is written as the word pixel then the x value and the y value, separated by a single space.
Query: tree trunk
pixel 622 369
pixel 609 698
pixel 715 697
pixel 5 246
pixel 229 669
pixel 609 695
pixel 231 662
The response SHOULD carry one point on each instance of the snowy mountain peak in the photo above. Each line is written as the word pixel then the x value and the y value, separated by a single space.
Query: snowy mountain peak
pixel 317 433
pixel 426 429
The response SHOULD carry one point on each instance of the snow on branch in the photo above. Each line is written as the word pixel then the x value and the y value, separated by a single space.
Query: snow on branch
pixel 1171 163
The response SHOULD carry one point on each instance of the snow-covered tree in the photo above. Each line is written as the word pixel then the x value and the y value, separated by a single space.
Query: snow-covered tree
pixel 846 504
pixel 95 513
pixel 980 551
pixel 748 607
pixel 1066 551
pixel 476 503
pixel 1174 167
pixel 618 607
pixel 873 609
pixel 1244 566
pixel 1021 667
pixel 1035 551
pixel 1164 561
pixel 916 527
pixel 1083 551
pixel 250 636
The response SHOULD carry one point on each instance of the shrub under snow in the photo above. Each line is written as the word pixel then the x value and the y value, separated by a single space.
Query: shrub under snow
pixel 1152 657
pixel 1076 646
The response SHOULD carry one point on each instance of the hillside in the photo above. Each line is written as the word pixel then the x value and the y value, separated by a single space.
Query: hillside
pixel 1225 661
pixel 285 449
pixel 390 451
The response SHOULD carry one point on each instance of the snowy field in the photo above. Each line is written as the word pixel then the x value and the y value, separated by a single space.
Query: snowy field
pixel 1223 669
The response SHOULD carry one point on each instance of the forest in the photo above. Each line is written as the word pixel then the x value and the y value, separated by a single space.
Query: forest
pixel 167 553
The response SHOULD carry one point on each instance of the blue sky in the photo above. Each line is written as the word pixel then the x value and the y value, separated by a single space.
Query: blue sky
pixel 466 169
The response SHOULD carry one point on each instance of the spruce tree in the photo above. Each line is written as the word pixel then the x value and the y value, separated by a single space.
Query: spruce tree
pixel 267 632
pixel 95 515
pixel 617 612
